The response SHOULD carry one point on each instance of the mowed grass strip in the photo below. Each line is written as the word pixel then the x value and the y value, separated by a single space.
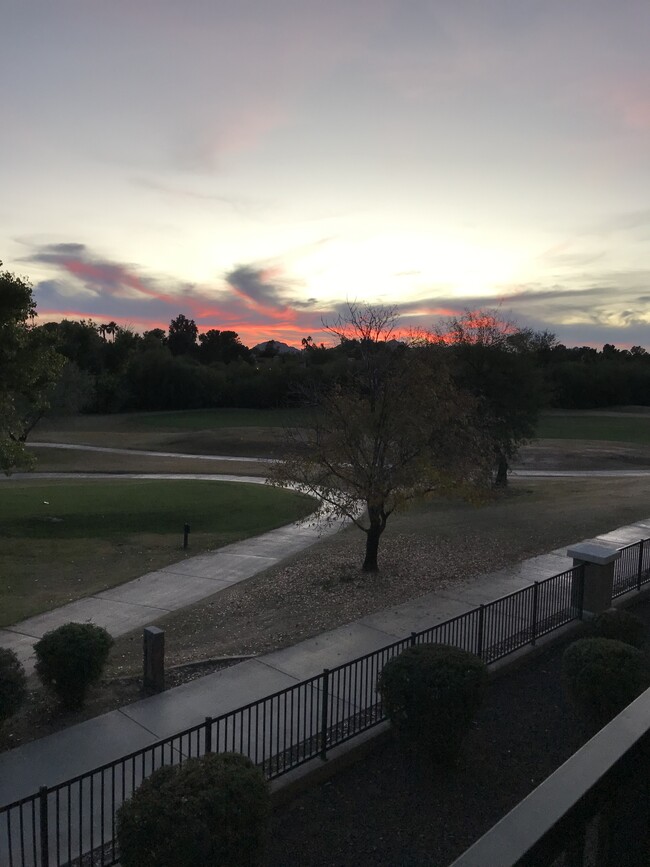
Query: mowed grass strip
pixel 622 428
pixel 61 540
pixel 177 420
pixel 248 432
pixel 209 419
pixel 257 431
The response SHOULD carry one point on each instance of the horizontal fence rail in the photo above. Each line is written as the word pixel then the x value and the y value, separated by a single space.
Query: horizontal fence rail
pixel 73 823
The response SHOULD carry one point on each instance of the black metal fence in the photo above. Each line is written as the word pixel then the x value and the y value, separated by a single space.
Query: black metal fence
pixel 632 570
pixel 72 824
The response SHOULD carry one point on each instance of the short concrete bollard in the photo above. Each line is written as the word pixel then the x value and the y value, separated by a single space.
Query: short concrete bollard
pixel 598 559
pixel 153 646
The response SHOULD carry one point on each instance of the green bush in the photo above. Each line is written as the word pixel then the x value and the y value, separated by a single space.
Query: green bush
pixel 71 658
pixel 618 624
pixel 206 812
pixel 601 676
pixel 431 694
pixel 13 684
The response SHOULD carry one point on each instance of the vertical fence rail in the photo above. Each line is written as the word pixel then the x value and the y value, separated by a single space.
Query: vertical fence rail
pixel 323 720
pixel 533 625
pixel 73 824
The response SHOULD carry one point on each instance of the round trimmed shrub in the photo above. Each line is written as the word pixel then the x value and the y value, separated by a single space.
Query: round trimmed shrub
pixel 431 693
pixel 72 658
pixel 206 812
pixel 13 684
pixel 620 625
pixel 602 676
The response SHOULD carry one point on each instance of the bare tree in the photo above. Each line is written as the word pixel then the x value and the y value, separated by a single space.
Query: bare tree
pixel 393 429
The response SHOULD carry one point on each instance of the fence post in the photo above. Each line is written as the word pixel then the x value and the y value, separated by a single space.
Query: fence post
pixel 324 714
pixel 581 591
pixel 414 638
pixel 481 614
pixel 208 734
pixel 640 570
pixel 533 630
pixel 45 842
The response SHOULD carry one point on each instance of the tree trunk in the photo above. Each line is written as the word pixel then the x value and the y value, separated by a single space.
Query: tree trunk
pixel 501 480
pixel 373 533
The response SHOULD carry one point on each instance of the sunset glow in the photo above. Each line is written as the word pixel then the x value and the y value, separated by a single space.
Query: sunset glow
pixel 258 166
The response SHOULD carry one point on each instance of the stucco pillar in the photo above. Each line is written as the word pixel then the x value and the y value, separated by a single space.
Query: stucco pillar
pixel 598 559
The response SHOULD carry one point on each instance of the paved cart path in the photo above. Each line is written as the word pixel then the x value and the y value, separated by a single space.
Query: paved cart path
pixel 147 453
pixel 140 602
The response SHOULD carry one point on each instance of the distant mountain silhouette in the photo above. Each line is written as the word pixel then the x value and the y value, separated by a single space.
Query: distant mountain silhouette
pixel 274 347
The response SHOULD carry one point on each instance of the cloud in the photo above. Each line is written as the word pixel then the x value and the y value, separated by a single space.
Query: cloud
pixel 240 204
pixel 611 303
pixel 259 300
pixel 624 222
pixel 98 276
pixel 570 260
pixel 256 301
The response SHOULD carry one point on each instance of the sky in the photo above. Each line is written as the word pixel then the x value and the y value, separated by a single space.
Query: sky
pixel 257 165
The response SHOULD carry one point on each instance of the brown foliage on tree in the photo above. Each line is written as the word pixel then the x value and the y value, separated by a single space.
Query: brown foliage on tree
pixel 393 429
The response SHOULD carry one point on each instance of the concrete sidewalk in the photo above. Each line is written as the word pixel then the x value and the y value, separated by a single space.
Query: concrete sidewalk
pixel 77 749
pixel 140 602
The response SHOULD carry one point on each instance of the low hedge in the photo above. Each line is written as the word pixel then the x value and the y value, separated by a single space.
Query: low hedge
pixel 206 812
pixel 431 694
pixel 72 658
pixel 601 676
pixel 618 624
pixel 13 684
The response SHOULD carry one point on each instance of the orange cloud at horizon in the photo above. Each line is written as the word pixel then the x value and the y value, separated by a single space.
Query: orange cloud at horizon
pixel 250 335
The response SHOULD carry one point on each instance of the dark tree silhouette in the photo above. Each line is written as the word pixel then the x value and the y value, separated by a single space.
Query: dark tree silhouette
pixel 182 336
pixel 496 361
pixel 29 369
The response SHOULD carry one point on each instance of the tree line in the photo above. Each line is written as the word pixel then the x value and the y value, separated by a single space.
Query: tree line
pixel 114 369
pixel 70 366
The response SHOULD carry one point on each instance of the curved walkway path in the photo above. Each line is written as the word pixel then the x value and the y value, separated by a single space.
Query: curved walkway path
pixel 516 473
pixel 144 452
pixel 140 602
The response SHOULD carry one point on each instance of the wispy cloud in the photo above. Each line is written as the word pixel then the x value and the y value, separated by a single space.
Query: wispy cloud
pixel 253 300
pixel 240 204
pixel 260 300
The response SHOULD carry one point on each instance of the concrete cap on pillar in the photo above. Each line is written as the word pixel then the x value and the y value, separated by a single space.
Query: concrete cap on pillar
pixel 593 551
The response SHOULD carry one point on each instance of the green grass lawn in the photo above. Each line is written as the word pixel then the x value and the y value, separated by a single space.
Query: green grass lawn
pixel 181 420
pixel 569 424
pixel 248 432
pixel 581 426
pixel 64 539
pixel 208 419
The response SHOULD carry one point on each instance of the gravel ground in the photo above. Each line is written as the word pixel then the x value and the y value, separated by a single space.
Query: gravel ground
pixel 386 810
pixel 433 547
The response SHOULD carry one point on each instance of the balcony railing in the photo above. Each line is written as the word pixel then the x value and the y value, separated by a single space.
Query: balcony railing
pixel 594 810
